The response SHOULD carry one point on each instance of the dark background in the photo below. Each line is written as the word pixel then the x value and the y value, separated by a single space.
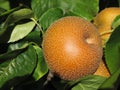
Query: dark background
pixel 103 3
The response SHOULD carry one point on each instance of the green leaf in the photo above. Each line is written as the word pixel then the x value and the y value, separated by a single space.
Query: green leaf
pixel 40 6
pixel 18 15
pixel 34 36
pixel 8 11
pixel 89 83
pixel 15 46
pixel 116 22
pixel 50 16
pixel 9 23
pixel 41 68
pixel 5 4
pixel 22 65
pixel 84 8
pixel 22 30
pixel 112 51
pixel 119 2
pixel 13 53
pixel 112 82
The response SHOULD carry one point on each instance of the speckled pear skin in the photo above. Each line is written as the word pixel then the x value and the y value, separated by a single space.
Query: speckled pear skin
pixel 72 48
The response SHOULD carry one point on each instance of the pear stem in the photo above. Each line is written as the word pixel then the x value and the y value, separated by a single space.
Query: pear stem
pixel 49 77
pixel 106 32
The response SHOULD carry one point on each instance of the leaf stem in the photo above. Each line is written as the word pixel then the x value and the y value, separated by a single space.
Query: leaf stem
pixel 39 26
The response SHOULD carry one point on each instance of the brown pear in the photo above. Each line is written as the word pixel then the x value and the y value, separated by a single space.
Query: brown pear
pixel 72 48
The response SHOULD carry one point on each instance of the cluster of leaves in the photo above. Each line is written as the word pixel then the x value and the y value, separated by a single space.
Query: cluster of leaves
pixel 22 64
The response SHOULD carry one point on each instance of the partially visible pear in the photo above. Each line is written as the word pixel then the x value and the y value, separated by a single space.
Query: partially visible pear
pixel 103 22
pixel 102 70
